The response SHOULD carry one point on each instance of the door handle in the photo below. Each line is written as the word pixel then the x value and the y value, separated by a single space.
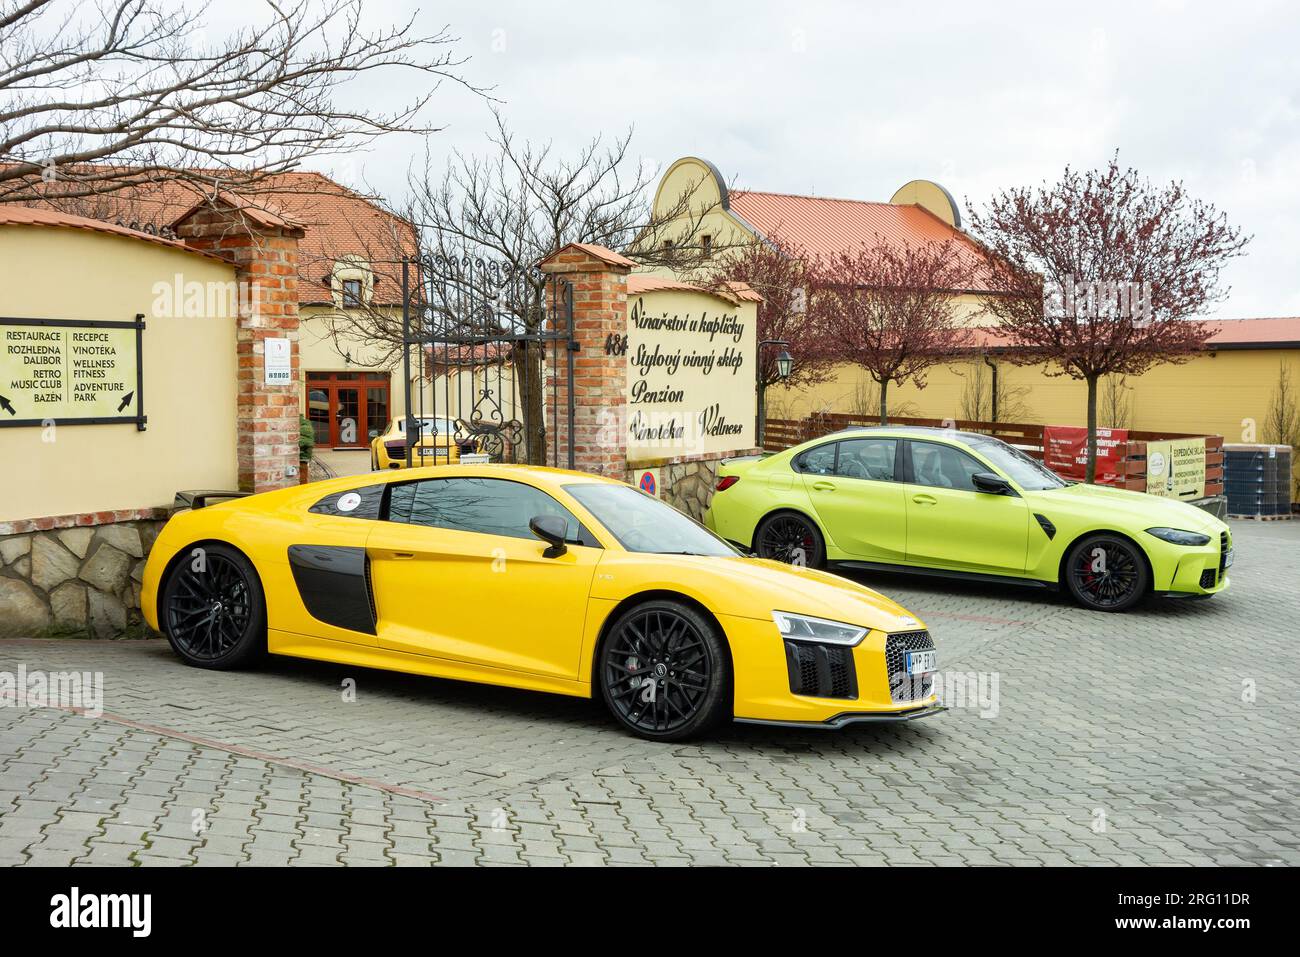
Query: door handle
pixel 824 486
pixel 403 555
pixel 925 500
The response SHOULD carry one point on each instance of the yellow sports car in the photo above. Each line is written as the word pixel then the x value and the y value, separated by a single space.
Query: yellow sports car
pixel 437 445
pixel 533 578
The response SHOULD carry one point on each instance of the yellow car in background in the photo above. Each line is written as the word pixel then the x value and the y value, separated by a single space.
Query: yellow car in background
pixel 533 578
pixel 437 445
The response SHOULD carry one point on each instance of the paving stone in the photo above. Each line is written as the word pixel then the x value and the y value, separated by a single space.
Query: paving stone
pixel 1193 775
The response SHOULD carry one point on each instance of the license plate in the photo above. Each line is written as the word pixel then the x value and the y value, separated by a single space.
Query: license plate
pixel 922 662
pixel 440 453
pixel 1227 559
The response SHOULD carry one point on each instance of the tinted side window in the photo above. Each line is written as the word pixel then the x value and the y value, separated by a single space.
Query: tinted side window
pixel 818 461
pixel 488 506
pixel 867 459
pixel 356 503
pixel 942 466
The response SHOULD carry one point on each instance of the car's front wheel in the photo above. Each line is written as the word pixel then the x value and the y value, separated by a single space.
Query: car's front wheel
pixel 791 538
pixel 1106 573
pixel 664 671
pixel 212 609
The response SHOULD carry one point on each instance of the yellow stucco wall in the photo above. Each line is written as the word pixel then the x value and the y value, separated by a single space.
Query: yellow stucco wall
pixel 690 180
pixel 189 376
pixel 1217 393
pixel 317 352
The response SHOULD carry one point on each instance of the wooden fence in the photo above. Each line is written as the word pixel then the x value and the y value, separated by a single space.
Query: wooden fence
pixel 783 433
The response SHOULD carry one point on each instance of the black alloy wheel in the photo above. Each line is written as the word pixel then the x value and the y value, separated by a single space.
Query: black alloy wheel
pixel 790 538
pixel 212 608
pixel 664 671
pixel 1106 573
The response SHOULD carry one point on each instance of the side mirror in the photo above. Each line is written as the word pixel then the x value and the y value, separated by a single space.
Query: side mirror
pixel 550 529
pixel 990 483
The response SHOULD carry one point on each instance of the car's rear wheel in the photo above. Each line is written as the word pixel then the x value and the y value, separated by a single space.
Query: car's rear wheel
pixel 791 538
pixel 212 609
pixel 664 671
pixel 1106 573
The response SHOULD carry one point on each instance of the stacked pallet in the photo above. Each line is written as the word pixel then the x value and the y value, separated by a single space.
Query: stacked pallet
pixel 1257 480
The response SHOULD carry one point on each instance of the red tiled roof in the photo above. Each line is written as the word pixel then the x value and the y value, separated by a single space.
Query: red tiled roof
pixel 734 291
pixel 268 214
pixel 337 222
pixel 1226 333
pixel 29 216
pixel 1247 332
pixel 825 227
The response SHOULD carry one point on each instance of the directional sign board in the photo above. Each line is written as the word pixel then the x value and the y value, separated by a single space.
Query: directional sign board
pixel 70 372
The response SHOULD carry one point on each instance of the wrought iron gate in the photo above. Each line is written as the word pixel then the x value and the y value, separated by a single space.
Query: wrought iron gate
pixel 492 368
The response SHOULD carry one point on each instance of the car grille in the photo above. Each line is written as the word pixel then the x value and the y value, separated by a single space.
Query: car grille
pixel 1207 578
pixel 822 671
pixel 1224 545
pixel 902 686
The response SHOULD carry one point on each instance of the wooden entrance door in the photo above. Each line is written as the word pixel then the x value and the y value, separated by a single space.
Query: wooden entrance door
pixel 347 409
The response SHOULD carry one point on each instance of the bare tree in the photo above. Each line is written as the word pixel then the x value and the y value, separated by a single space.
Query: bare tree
pixel 988 397
pixel 485 222
pixel 1117 403
pixel 777 271
pixel 1282 421
pixel 892 309
pixel 106 96
pixel 1102 273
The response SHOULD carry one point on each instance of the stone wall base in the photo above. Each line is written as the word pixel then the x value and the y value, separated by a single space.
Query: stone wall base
pixel 79 581
pixel 687 484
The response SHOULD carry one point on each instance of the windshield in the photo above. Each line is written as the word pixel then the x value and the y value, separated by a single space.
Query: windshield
pixel 427 426
pixel 645 524
pixel 1030 474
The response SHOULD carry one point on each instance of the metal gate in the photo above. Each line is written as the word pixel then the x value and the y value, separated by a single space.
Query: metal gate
pixel 488 360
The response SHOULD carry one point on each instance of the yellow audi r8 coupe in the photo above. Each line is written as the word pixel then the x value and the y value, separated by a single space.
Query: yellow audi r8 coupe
pixel 437 445
pixel 533 578
pixel 961 504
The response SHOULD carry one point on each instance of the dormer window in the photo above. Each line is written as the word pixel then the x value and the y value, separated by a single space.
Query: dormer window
pixel 352 292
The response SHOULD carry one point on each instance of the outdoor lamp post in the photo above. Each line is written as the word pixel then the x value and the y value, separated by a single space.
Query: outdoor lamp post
pixel 784 366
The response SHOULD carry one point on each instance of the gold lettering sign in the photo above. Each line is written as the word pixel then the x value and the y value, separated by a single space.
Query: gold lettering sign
pixel 66 371
pixel 690 375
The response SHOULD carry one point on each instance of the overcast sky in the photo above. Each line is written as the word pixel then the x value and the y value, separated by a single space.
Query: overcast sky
pixel 853 100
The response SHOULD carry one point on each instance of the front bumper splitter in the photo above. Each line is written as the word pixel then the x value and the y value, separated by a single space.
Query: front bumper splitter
pixel 851 717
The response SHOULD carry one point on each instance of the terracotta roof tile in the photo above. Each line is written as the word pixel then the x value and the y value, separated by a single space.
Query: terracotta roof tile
pixel 734 291
pixel 825 227
pixel 29 216
pixel 1228 333
pixel 336 221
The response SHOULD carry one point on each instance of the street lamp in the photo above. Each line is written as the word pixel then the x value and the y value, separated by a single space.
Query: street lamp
pixel 784 366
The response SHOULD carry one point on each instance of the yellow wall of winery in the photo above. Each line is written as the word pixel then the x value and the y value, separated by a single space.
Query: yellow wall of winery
pixel 1216 393
pixel 189 376
pixel 690 181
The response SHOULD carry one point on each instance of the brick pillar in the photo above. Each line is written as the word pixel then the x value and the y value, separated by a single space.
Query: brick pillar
pixel 264 247
pixel 599 278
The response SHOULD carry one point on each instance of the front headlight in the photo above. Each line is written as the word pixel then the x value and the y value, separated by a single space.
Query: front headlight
pixel 806 628
pixel 1178 536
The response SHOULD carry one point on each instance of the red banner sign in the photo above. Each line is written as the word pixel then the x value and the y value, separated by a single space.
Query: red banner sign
pixel 1065 452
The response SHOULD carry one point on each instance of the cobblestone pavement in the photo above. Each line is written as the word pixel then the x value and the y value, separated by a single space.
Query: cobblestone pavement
pixel 1165 736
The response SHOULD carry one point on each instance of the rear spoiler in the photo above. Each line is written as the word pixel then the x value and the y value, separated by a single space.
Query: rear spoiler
pixel 196 499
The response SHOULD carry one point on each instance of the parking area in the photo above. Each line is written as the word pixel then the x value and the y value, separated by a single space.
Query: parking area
pixel 1164 736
